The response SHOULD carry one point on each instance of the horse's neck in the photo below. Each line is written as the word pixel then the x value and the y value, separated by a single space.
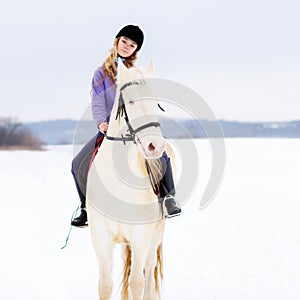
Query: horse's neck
pixel 128 157
pixel 115 124
pixel 114 127
pixel 119 163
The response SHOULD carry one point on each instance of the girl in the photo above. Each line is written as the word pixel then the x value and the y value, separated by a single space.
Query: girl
pixel 127 43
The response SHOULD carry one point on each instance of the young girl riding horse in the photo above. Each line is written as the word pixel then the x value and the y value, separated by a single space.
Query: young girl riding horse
pixel 127 43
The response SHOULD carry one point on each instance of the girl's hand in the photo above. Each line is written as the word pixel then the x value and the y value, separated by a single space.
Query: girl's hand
pixel 103 126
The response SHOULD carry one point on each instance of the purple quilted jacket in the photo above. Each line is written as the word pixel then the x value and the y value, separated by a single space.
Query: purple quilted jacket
pixel 103 96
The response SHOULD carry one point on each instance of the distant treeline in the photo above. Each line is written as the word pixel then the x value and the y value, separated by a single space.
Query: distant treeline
pixel 234 129
pixel 71 131
pixel 13 135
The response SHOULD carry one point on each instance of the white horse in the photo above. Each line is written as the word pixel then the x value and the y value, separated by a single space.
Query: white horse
pixel 122 206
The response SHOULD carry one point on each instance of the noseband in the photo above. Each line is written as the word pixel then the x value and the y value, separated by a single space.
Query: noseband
pixel 131 136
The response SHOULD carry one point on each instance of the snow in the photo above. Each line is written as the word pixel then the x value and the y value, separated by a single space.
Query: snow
pixel 244 245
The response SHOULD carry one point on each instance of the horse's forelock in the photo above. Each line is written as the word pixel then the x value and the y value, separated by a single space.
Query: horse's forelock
pixel 135 73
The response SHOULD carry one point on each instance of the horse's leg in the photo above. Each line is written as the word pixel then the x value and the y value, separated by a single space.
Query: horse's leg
pixel 153 273
pixel 149 274
pixel 105 283
pixel 103 245
pixel 137 277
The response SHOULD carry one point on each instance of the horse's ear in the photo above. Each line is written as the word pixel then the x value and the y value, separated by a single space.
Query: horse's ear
pixel 121 71
pixel 150 67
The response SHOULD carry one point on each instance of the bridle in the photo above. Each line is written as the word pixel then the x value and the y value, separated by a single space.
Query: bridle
pixel 131 136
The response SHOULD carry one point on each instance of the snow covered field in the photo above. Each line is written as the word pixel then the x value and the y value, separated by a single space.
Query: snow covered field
pixel 244 246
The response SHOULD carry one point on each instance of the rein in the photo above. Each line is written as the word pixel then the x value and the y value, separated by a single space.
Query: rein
pixel 131 136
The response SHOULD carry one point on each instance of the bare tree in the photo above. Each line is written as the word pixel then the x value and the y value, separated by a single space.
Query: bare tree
pixel 14 135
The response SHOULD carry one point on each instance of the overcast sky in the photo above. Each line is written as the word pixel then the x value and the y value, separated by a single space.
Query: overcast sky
pixel 241 57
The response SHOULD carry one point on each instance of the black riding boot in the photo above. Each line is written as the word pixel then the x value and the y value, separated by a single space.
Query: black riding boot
pixel 171 207
pixel 81 220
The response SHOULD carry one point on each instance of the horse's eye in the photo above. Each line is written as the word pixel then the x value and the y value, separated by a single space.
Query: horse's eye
pixel 131 102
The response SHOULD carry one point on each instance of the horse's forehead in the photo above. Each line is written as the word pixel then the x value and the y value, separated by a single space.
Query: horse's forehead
pixel 138 89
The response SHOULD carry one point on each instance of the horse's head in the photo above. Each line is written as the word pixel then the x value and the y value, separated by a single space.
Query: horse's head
pixel 138 107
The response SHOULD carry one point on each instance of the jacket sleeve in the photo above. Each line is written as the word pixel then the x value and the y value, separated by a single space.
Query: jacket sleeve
pixel 98 98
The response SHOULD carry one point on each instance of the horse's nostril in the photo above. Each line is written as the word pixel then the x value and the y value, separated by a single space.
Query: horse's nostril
pixel 151 147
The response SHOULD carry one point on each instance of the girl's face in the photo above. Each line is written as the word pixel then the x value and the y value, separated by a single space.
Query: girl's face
pixel 126 47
